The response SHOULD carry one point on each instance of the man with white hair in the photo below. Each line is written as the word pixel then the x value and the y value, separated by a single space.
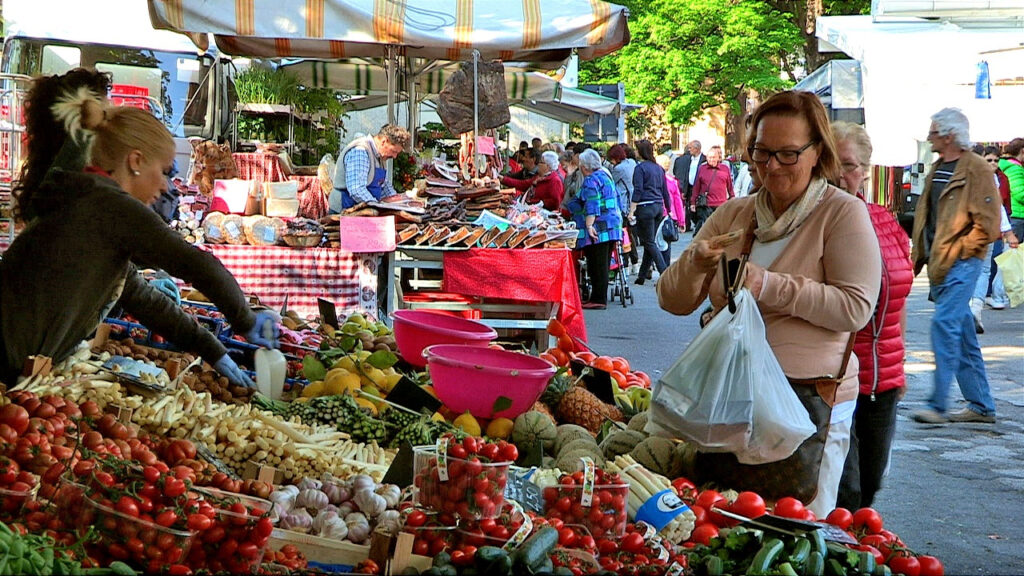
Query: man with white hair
pixel 957 218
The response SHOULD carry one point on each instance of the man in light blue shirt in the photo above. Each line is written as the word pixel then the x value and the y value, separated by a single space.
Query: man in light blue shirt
pixel 360 175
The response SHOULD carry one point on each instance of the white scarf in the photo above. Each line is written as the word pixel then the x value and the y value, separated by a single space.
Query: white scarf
pixel 770 228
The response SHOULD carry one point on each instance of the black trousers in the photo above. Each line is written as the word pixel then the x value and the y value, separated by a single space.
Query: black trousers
pixel 700 216
pixel 874 425
pixel 598 262
pixel 648 217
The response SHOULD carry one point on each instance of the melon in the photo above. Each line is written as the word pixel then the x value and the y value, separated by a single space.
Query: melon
pixel 621 442
pixel 580 444
pixel 638 421
pixel 570 461
pixel 567 433
pixel 658 455
pixel 531 427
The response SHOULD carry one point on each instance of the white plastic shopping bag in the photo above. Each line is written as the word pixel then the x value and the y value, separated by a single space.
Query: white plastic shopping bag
pixel 1011 264
pixel 727 392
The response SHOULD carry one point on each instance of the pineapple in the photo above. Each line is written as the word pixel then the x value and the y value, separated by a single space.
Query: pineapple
pixel 574 404
pixel 541 407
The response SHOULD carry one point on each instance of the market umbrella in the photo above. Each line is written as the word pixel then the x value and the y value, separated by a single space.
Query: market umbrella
pixel 540 31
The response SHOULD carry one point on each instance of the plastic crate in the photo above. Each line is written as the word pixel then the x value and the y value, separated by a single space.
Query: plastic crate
pixel 116 531
pixel 239 527
pixel 459 494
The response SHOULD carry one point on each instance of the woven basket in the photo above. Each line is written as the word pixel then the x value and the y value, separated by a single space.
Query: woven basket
pixel 302 241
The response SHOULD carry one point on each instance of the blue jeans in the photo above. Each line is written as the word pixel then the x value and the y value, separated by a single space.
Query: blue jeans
pixel 981 285
pixel 955 343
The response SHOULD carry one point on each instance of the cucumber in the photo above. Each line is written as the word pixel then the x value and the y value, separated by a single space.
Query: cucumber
pixel 714 566
pixel 818 539
pixel 493 561
pixel 534 551
pixel 866 564
pixel 801 550
pixel 834 567
pixel 766 556
pixel 882 570
pixel 815 565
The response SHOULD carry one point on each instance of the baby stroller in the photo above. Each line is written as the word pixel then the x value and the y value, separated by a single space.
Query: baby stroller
pixel 618 282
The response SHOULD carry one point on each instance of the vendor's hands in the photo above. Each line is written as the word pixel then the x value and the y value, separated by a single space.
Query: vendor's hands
pixel 227 368
pixel 168 287
pixel 265 332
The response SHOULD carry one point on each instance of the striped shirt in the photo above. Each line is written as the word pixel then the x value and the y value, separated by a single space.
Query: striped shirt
pixel 943 173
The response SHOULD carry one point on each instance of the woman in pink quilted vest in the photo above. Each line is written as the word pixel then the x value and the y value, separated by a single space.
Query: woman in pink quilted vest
pixel 879 345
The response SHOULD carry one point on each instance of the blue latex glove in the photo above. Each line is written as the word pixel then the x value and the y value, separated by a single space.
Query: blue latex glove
pixel 168 287
pixel 265 332
pixel 226 367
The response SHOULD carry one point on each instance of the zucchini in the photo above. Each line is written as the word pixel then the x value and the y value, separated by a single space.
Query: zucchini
pixel 766 556
pixel 866 564
pixel 818 539
pixel 786 569
pixel 882 570
pixel 714 566
pixel 801 550
pixel 815 565
pixel 834 567
pixel 535 550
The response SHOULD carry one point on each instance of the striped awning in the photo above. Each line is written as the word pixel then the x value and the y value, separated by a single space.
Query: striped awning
pixel 537 31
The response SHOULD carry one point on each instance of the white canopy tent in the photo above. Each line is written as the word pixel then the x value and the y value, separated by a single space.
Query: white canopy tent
pixel 533 90
pixel 914 68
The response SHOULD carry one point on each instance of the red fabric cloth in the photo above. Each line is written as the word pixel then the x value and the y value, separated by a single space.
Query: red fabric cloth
pixel 303 274
pixel 532 275
pixel 881 341
pixel 312 202
pixel 259 167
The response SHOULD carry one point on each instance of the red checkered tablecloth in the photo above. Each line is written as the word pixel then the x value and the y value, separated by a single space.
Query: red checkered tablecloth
pixel 258 167
pixel 303 274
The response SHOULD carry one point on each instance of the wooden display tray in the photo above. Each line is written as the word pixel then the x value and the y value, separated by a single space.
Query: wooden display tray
pixel 327 551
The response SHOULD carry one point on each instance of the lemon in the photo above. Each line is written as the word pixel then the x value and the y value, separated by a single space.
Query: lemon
pixel 468 424
pixel 437 417
pixel 391 380
pixel 500 428
pixel 376 376
pixel 314 389
pixel 346 363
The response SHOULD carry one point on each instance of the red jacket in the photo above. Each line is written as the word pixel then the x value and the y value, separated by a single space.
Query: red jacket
pixel 879 345
pixel 715 182
pixel 547 189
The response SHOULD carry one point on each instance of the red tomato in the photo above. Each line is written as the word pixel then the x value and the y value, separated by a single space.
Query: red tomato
pixel 906 565
pixel 632 543
pixel 14 416
pixel 867 520
pixel 840 517
pixel 789 508
pixel 685 489
pixel 930 566
pixel 748 504
pixel 704 533
pixel 416 518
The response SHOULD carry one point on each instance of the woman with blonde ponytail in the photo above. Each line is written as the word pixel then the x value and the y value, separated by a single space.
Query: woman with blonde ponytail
pixel 84 194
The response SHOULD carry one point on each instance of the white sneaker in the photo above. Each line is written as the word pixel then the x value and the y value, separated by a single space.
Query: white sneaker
pixel 994 304
pixel 976 305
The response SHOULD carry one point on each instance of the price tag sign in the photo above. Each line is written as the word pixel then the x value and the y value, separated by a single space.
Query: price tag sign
pixel 520 490
pixel 328 313
pixel 587 499
pixel 400 473
pixel 411 395
pixel 524 529
pixel 597 381
pixel 442 459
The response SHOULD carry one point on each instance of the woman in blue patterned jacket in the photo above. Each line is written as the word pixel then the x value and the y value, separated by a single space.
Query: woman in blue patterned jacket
pixel 598 218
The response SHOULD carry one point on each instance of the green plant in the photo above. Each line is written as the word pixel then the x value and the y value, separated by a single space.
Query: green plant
pixel 406 170
pixel 261 84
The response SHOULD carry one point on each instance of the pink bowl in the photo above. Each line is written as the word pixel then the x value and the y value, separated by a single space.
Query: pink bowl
pixel 473 378
pixel 417 329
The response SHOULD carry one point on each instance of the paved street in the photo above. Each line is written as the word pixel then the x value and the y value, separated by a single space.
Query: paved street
pixel 955 491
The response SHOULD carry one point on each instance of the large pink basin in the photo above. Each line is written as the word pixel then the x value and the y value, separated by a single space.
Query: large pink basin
pixel 418 329
pixel 473 378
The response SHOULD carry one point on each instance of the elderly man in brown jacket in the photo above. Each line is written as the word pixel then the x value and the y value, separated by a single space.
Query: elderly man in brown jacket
pixel 957 218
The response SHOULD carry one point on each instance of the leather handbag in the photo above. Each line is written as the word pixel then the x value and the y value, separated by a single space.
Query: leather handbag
pixel 796 475
pixel 669 229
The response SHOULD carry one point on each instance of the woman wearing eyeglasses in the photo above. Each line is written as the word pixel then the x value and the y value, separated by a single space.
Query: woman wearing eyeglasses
pixel 814 271
pixel 87 230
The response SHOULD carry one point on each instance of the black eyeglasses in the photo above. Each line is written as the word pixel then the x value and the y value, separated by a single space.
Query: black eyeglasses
pixel 992 160
pixel 784 157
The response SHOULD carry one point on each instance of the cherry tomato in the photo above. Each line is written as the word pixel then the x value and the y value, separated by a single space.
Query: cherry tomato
pixel 748 504
pixel 704 533
pixel 930 566
pixel 128 506
pixel 173 487
pixel 789 508
pixel 906 565
pixel 416 518
pixel 166 518
pixel 199 522
pixel 633 542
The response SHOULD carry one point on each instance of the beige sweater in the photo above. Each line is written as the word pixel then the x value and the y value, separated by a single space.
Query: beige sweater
pixel 823 286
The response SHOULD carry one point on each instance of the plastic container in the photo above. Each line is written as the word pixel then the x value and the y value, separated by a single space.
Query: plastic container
pixel 466 494
pixel 471 378
pixel 240 529
pixel 432 540
pixel 606 517
pixel 12 502
pixel 416 330
pixel 271 369
pixel 116 532
pixel 510 521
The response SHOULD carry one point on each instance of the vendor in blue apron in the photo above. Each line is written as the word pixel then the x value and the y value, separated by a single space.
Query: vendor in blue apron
pixel 360 175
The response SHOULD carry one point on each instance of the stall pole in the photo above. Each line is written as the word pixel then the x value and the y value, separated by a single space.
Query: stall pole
pixel 411 100
pixel 476 111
